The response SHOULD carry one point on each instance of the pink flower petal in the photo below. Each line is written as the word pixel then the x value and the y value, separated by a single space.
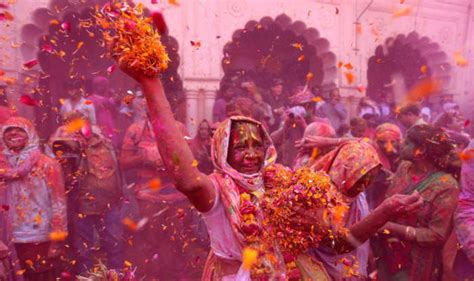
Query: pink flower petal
pixel 27 100
pixel 66 26
pixel 30 64
pixel 111 68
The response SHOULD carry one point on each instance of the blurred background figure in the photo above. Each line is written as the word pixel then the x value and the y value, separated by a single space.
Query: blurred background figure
pixel 307 156
pixel 201 147
pixel 464 219
pixel 409 116
pixel 334 110
pixel 358 128
pixel 76 101
pixel 106 108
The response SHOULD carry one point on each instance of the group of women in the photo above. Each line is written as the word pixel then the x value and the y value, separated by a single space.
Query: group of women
pixel 410 225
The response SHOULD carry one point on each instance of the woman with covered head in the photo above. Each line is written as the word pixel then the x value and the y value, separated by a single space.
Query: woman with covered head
pixel 410 247
pixel 230 198
pixel 34 209
pixel 464 218
pixel 352 167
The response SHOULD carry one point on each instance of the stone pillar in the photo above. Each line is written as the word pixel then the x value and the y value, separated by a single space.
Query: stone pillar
pixel 191 111
pixel 200 95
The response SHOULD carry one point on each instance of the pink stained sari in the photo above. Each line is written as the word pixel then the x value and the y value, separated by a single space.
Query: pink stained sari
pixel 347 164
pixel 230 184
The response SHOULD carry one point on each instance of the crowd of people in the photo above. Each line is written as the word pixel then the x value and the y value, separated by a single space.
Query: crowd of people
pixel 159 205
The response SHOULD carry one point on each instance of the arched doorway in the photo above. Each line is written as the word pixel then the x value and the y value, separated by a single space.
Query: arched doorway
pixel 408 59
pixel 280 48
pixel 68 44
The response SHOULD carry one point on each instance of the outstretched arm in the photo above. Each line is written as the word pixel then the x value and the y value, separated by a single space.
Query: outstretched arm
pixel 176 154
pixel 361 231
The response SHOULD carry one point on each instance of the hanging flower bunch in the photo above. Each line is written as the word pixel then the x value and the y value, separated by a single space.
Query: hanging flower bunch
pixel 302 208
pixel 132 38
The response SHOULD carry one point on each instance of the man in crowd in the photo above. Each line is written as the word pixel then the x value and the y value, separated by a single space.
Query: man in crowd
pixel 334 109
pixel 409 116
pixel 99 194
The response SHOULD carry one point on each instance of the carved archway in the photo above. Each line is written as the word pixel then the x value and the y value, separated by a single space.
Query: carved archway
pixel 280 48
pixel 412 57
pixel 69 45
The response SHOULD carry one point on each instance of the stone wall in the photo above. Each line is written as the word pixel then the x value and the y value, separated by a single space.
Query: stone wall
pixel 212 22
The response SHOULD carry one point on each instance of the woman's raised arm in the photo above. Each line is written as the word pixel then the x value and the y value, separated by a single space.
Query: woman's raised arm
pixel 177 156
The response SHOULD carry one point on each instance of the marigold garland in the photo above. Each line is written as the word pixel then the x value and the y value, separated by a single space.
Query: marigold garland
pixel 294 194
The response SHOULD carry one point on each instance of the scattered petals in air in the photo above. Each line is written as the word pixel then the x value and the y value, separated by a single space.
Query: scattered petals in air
pixel 309 76
pixel 196 44
pixel 6 16
pixel 75 125
pixel 460 59
pixel 195 163
pixel 48 48
pixel 349 77
pixel 173 2
pixel 317 99
pixel 402 12
pixel 127 263
pixel 5 207
pixel 154 1
pixel 88 102
pixel 58 236
pixel 154 184
pixel 111 68
pixel 66 26
pixel 27 100
pixel 423 89
pixel 298 46
pixel 423 69
pixel 358 28
pixel 249 257
pixel 38 219
pixel 3 6
pixel 130 224
pixel 337 11
pixel 301 58
pixel 348 66
pixel 360 88
pixel 30 64
pixel 467 123
pixel 340 64
pixel 79 46
pixel 466 155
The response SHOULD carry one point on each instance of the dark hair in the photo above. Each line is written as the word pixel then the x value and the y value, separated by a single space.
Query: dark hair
pixel 410 108
pixel 357 121
pixel 434 140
